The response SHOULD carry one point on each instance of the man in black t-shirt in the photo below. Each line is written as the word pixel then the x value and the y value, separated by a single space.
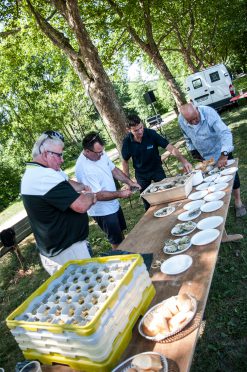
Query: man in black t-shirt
pixel 56 206
pixel 142 145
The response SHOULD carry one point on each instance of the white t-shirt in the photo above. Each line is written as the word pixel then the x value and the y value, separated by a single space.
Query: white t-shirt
pixel 98 175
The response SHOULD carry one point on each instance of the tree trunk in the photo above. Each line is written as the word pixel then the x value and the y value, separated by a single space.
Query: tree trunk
pixel 103 95
pixel 87 65
pixel 160 64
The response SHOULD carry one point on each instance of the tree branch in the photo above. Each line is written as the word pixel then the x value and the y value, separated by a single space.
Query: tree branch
pixel 54 35
pixel 128 27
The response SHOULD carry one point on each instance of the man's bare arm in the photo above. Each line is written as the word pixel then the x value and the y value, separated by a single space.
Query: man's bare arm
pixel 175 152
pixel 77 186
pixel 83 202
pixel 125 165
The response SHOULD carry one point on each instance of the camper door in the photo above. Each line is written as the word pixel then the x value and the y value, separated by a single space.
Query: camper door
pixel 199 90
pixel 219 80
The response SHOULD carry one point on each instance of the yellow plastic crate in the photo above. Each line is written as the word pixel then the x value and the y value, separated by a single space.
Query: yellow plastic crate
pixel 135 260
pixel 119 345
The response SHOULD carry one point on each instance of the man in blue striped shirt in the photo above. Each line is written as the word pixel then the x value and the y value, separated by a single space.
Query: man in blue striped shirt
pixel 207 136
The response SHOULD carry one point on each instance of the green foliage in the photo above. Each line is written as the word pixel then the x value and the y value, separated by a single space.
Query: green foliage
pixel 10 184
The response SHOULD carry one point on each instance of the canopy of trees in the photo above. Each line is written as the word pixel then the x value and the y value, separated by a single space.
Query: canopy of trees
pixel 63 66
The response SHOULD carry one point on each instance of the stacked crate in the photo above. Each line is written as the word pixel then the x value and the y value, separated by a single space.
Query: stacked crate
pixel 84 314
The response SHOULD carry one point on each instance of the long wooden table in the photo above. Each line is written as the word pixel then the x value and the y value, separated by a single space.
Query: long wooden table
pixel 148 237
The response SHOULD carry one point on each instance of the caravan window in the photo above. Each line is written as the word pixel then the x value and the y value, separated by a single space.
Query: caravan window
pixel 197 83
pixel 214 76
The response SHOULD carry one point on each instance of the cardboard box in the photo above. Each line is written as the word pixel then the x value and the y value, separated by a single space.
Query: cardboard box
pixel 178 192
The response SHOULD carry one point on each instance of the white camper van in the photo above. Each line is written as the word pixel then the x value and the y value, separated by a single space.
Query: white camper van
pixel 211 87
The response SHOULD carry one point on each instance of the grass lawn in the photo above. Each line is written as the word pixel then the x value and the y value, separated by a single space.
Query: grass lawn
pixel 223 343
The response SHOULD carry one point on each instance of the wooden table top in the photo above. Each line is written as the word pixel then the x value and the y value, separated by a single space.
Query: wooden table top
pixel 148 237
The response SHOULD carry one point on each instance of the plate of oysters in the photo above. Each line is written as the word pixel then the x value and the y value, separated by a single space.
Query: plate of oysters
pixel 168 317
pixel 164 211
pixel 177 181
pixel 177 246
pixel 189 215
pixel 182 229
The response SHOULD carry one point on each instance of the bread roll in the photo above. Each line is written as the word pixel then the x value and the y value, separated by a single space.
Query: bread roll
pixel 176 321
pixel 165 326
pixel 171 305
pixel 184 302
pixel 166 312
pixel 145 362
pixel 151 325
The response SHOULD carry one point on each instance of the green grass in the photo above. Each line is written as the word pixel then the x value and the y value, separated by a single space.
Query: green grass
pixel 223 344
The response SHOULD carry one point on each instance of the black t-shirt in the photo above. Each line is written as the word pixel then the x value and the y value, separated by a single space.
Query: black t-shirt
pixel 47 197
pixel 145 155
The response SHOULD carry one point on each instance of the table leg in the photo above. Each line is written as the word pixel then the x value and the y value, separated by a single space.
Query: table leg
pixel 230 238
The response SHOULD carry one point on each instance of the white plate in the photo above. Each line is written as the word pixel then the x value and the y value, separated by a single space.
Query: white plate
pixel 185 216
pixel 214 171
pixel 184 233
pixel 123 367
pixel 176 265
pixel 227 171
pixel 224 179
pixel 210 222
pixel 178 251
pixel 218 187
pixel 214 196
pixel 203 186
pixel 205 237
pixel 167 210
pixel 194 204
pixel 211 178
pixel 212 206
pixel 161 336
pixel 198 195
pixel 230 162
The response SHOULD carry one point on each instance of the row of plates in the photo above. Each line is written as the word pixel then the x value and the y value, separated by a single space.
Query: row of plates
pixel 197 204
pixel 180 263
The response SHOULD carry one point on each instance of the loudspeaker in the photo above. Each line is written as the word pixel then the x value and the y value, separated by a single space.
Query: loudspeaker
pixel 149 97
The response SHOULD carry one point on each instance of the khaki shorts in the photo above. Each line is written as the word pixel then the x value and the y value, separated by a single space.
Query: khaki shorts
pixel 77 251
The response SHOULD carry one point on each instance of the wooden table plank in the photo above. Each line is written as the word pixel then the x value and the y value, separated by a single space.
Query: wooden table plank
pixel 148 236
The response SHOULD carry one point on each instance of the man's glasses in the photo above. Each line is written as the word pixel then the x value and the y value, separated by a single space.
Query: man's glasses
pixel 60 155
pixel 51 134
pixel 98 152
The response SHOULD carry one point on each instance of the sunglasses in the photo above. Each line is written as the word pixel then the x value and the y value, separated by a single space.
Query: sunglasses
pixel 54 134
pixel 51 134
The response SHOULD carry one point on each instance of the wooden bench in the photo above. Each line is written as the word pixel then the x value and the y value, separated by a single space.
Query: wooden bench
pixel 22 229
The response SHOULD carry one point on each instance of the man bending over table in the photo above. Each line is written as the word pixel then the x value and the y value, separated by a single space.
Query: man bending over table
pixel 55 205
pixel 94 168
pixel 207 136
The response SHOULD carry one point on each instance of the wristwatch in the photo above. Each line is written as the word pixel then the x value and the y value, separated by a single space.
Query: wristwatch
pixel 225 153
